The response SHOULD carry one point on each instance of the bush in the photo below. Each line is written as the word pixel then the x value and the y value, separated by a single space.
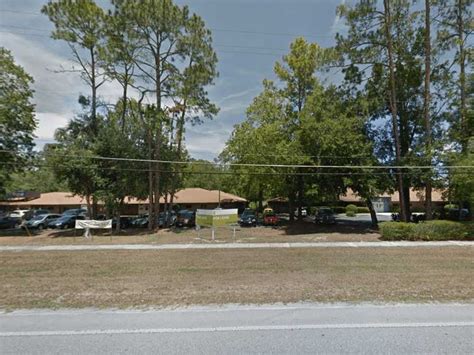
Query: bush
pixel 363 210
pixel 451 207
pixel 396 230
pixel 441 230
pixel 428 230
pixel 351 210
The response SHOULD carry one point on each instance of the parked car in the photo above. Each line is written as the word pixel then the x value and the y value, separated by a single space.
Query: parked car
pixel 9 222
pixel 270 219
pixel 186 218
pixel 171 217
pixel 139 222
pixel 65 221
pixel 248 218
pixel 304 212
pixel 417 217
pixel 125 222
pixel 325 215
pixel 75 212
pixel 18 213
pixel 35 212
pixel 40 221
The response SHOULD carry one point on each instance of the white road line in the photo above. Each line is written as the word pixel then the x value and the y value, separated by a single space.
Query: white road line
pixel 232 329
pixel 20 248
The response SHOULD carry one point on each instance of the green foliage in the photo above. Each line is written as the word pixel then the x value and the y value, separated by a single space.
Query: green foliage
pixel 351 210
pixel 363 210
pixel 462 181
pixel 397 230
pixel 17 121
pixel 428 230
pixel 204 174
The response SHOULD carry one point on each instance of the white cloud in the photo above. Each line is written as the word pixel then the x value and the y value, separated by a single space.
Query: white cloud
pixel 48 122
pixel 338 25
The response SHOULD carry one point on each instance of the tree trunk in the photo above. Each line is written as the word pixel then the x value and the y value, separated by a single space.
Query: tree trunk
pixel 426 107
pixel 95 207
pixel 260 198
pixel 179 139
pixel 159 133
pixel 393 105
pixel 300 197
pixel 94 93
pixel 465 131
pixel 291 205
pixel 89 207
pixel 373 214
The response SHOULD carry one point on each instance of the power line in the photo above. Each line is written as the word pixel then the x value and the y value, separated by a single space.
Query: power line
pixel 213 172
pixel 283 51
pixel 255 165
pixel 212 29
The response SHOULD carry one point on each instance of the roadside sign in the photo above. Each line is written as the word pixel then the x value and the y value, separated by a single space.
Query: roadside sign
pixel 216 218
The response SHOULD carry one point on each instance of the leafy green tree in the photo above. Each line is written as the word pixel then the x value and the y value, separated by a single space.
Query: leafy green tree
pixel 17 120
pixel 175 61
pixel 81 23
pixel 39 176
pixel 381 56
pixel 203 174
pixel 455 28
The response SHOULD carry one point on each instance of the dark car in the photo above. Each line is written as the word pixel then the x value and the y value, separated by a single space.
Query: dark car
pixel 75 212
pixel 65 221
pixel 248 218
pixel 325 215
pixel 125 222
pixel 186 218
pixel 139 222
pixel 40 221
pixel 169 217
pixel 9 222
pixel 33 213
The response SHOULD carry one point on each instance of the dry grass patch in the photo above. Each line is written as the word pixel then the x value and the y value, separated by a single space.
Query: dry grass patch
pixel 306 232
pixel 162 278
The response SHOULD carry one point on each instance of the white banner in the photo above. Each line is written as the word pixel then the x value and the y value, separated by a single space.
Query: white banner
pixel 92 224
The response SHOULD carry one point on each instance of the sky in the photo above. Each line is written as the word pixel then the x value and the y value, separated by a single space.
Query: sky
pixel 249 36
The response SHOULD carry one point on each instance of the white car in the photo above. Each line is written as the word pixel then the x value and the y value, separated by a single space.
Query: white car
pixel 18 213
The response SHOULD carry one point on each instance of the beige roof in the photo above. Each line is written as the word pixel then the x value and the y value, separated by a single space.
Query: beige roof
pixel 184 196
pixel 415 195
pixel 51 199
pixel 194 195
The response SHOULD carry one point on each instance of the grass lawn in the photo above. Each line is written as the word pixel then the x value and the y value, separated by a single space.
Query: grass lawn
pixel 184 277
pixel 303 232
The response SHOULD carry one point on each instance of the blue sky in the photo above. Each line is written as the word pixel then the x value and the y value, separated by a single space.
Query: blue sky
pixel 249 36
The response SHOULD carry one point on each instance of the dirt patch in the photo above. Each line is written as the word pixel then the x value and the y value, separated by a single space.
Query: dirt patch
pixel 161 278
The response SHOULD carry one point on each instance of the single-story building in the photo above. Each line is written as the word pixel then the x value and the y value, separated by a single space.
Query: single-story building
pixel 190 198
pixel 387 202
pixel 383 203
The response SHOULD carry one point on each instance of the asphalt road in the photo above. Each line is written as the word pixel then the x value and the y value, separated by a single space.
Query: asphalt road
pixel 303 328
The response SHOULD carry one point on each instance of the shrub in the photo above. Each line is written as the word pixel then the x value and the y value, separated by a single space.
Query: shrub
pixel 363 210
pixel 351 210
pixel 451 206
pixel 312 210
pixel 428 230
pixel 396 230
pixel 441 230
